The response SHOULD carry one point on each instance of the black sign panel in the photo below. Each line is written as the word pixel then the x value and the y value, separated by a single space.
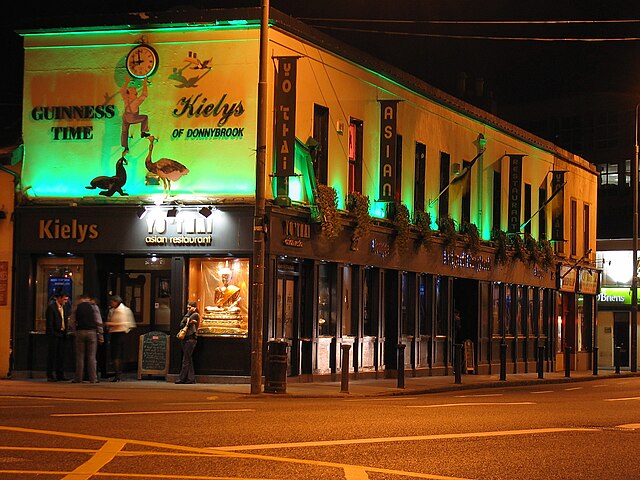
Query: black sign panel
pixel 154 354
pixel 557 206
pixel 388 151
pixel 515 193
pixel 285 121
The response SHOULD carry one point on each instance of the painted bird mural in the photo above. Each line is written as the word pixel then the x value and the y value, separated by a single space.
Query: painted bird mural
pixel 166 169
pixel 111 185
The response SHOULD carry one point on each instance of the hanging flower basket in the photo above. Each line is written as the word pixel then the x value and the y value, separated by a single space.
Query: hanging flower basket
pixel 401 222
pixel 501 243
pixel 447 229
pixel 422 221
pixel 472 237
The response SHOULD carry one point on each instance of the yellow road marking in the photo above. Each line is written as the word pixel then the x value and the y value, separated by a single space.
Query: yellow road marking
pixel 316 463
pixel 471 404
pixel 151 412
pixel 103 456
pixel 129 475
pixel 441 436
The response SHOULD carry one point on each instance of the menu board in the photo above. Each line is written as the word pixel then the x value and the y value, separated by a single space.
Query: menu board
pixel 153 354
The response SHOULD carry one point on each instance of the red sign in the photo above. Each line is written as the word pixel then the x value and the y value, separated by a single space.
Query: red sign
pixel 4 283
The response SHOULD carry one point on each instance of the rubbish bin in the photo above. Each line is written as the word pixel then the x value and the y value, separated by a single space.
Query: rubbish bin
pixel 276 374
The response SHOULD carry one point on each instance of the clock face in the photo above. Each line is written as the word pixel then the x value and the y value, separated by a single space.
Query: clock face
pixel 142 61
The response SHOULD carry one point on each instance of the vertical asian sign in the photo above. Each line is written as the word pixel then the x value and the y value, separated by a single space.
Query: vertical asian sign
pixel 557 206
pixel 515 193
pixel 388 141
pixel 285 121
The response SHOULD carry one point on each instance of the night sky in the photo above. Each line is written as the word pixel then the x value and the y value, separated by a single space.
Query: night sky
pixel 515 71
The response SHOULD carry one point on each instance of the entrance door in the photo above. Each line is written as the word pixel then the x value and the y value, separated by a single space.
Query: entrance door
pixel 621 336
pixel 287 318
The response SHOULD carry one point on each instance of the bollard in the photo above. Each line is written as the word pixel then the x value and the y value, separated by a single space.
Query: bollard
pixel 567 362
pixel 276 375
pixel 540 361
pixel 503 361
pixel 595 360
pixel 457 364
pixel 401 347
pixel 616 359
pixel 344 383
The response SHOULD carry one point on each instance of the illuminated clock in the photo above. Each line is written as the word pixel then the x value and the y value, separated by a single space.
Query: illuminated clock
pixel 142 61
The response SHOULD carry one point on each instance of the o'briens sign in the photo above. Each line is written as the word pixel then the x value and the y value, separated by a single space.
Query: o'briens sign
pixel 614 296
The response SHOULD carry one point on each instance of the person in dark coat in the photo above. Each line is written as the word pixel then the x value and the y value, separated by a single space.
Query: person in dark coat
pixel 191 319
pixel 56 322
pixel 87 323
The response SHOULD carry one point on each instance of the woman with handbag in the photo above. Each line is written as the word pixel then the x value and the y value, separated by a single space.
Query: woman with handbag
pixel 189 324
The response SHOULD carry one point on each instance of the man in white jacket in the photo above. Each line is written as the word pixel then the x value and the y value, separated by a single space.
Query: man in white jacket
pixel 120 321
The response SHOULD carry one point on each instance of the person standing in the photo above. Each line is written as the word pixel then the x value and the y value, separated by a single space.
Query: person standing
pixel 191 319
pixel 120 321
pixel 87 323
pixel 56 322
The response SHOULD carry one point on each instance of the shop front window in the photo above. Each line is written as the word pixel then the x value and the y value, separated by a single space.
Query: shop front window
pixel 326 308
pixel 220 287
pixel 495 310
pixel 348 329
pixel 53 276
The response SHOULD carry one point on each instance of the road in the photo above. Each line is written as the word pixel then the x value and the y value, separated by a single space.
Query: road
pixel 588 430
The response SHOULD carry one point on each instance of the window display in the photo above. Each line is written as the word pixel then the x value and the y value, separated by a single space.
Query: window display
pixel 220 289
pixel 56 275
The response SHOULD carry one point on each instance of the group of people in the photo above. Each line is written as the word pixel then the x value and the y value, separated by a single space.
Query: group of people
pixel 84 322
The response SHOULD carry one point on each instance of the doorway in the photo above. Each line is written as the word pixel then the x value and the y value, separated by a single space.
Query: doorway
pixel 286 325
pixel 621 336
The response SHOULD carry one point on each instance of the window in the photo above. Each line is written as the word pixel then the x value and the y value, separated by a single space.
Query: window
pixel 443 202
pixel 420 174
pixel 221 289
pixel 425 315
pixel 542 216
pixel 327 292
pixel 586 228
pixel 497 196
pixel 527 208
pixel 355 155
pixel 399 169
pixel 406 308
pixel 348 327
pixel 574 225
pixel 321 135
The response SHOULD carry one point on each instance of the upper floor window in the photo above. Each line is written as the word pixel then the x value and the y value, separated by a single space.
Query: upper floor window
pixel 355 155
pixel 443 202
pixel 420 175
pixel 321 135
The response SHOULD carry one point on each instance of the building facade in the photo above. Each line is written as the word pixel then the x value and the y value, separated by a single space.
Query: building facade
pixel 399 221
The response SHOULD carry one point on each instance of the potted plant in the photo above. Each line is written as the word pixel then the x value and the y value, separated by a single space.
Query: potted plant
pixel 447 229
pixel 501 242
pixel 548 256
pixel 422 221
pixel 519 251
pixel 358 206
pixel 472 236
pixel 327 201
pixel 401 224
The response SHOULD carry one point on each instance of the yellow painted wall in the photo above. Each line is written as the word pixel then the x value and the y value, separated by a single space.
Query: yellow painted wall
pixel 6 255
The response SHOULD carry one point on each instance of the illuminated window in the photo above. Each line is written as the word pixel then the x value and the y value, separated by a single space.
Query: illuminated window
pixel 355 156
pixel 221 289
pixel 56 275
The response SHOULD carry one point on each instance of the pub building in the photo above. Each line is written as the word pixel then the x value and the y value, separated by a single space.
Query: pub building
pixel 139 179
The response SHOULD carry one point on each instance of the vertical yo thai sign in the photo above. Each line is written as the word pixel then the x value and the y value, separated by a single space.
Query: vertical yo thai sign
pixel 285 110
pixel 388 140
pixel 557 206
pixel 515 193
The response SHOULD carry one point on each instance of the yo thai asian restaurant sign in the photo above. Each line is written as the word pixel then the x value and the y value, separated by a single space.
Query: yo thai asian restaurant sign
pixel 285 116
pixel 388 149
pixel 166 114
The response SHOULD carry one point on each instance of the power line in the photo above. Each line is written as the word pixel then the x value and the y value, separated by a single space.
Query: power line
pixel 468 22
pixel 484 37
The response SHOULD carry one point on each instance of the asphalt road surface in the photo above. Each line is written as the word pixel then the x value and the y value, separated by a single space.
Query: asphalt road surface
pixel 588 430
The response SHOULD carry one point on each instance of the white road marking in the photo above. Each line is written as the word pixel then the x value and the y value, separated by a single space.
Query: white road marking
pixel 630 426
pixel 59 399
pixel 621 399
pixel 573 388
pixel 391 399
pixel 209 403
pixel 542 391
pixel 159 412
pixel 471 404
pixel 599 386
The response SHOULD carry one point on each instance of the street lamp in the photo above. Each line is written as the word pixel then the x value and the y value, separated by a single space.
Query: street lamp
pixel 634 246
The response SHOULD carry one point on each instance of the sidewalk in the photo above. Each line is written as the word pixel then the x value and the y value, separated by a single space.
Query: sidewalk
pixel 356 388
